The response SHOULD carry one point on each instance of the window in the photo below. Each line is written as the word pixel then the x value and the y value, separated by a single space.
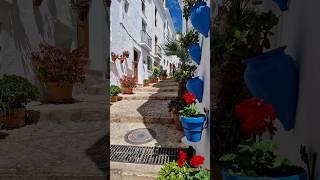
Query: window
pixel 144 26
pixel 155 17
pixel 149 61
pixel 126 6
pixel 143 7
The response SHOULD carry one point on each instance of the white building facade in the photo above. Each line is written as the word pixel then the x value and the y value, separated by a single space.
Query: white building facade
pixel 24 26
pixel 141 27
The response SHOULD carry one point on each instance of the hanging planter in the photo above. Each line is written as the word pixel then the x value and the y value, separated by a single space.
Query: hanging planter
pixel 200 17
pixel 273 77
pixel 195 85
pixel 36 3
pixel 195 52
pixel 126 54
pixel 114 56
pixel 282 4
pixel 192 127
pixel 122 58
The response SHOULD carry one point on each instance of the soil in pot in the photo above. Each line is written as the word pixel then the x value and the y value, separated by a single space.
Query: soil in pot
pixel 59 92
pixel 14 119
pixel 127 90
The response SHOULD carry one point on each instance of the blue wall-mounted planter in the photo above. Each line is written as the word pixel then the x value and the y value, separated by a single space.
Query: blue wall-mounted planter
pixel 195 52
pixel 200 17
pixel 273 77
pixel 195 86
pixel 192 127
pixel 282 4
pixel 227 176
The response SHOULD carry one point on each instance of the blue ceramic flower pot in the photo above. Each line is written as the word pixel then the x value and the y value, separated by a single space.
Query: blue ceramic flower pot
pixel 195 52
pixel 227 176
pixel 195 86
pixel 282 4
pixel 273 77
pixel 200 17
pixel 192 127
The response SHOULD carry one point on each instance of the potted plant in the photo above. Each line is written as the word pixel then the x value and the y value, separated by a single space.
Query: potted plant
pixel 200 15
pixel 163 75
pixel 15 93
pixel 174 107
pixel 191 42
pixel 155 74
pixel 146 82
pixel 185 168
pixel 127 84
pixel 192 120
pixel 255 158
pixel 114 91
pixel 59 69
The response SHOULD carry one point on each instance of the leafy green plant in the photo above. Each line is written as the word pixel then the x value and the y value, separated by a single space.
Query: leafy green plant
pixel 163 73
pixel 114 90
pixel 145 81
pixel 174 48
pixel 186 72
pixel 16 92
pixel 190 38
pixel 190 111
pixel 156 72
pixel 255 159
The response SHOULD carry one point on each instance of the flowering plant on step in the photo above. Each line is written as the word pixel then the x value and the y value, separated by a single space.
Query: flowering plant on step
pixel 185 168
pixel 128 82
pixel 256 157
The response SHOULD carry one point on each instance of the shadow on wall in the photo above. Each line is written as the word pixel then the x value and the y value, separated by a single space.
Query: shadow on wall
pixel 13 25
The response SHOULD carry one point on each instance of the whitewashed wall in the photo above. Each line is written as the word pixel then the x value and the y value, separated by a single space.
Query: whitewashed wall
pixel 203 71
pixel 299 29
pixel 25 26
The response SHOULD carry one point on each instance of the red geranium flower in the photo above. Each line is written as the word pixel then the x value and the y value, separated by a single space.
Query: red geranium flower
pixel 181 162
pixel 255 116
pixel 196 161
pixel 189 98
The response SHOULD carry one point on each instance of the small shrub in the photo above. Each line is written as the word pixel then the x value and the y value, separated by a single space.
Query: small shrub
pixel 16 92
pixel 115 90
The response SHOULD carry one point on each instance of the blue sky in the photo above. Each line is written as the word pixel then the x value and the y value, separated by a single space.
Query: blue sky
pixel 176 14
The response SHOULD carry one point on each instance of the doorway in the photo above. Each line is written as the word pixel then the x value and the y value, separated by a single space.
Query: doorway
pixel 135 64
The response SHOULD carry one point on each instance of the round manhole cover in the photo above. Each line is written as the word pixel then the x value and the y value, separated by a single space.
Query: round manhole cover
pixel 140 136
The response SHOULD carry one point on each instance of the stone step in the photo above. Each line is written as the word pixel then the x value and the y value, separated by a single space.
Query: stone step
pixel 149 111
pixel 164 84
pixel 155 89
pixel 86 108
pixel 149 96
pixel 127 171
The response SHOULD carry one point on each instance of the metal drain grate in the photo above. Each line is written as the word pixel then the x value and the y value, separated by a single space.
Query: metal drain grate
pixel 143 155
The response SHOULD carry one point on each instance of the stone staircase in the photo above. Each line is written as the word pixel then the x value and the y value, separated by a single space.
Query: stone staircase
pixel 146 108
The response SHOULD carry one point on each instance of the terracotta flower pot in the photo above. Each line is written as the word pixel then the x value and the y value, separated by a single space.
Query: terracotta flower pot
pixel 114 98
pixel 114 57
pixel 59 92
pixel 14 119
pixel 127 90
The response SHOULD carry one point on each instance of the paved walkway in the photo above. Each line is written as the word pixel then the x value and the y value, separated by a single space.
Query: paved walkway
pixel 65 141
pixel 147 108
